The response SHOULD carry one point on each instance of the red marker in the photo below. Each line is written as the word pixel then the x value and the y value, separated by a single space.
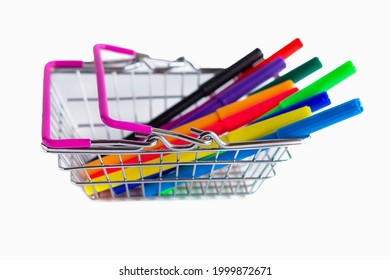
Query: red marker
pixel 284 53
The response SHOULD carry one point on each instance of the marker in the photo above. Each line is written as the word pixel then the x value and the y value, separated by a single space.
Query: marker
pixel 151 167
pixel 315 103
pixel 283 53
pixel 323 84
pixel 229 124
pixel 204 123
pixel 250 114
pixel 296 74
pixel 303 128
pixel 235 91
pixel 206 88
pixel 299 129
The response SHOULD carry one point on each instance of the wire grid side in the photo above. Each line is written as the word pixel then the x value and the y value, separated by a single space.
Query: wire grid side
pixel 202 177
pixel 138 96
pixel 132 96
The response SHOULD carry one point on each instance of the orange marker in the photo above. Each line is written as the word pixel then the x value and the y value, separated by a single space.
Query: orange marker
pixel 221 121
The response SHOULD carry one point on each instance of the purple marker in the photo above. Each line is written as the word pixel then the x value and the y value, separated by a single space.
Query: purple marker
pixel 231 93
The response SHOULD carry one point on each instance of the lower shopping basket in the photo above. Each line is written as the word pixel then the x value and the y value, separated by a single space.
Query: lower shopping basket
pixel 106 166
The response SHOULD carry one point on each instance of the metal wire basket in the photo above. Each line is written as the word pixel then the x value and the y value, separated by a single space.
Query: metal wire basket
pixel 138 89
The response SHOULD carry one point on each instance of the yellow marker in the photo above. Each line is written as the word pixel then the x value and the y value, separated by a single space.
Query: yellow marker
pixel 248 133
pixel 202 123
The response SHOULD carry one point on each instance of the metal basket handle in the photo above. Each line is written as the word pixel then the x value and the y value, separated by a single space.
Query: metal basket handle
pixel 46 118
pixel 139 129
pixel 102 92
pixel 76 143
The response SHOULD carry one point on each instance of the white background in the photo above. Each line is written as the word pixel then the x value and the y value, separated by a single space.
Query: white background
pixel 331 202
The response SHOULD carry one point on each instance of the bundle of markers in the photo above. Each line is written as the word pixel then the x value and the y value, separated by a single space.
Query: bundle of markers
pixel 250 100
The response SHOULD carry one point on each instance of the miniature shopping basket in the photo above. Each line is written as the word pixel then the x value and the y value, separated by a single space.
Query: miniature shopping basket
pixel 87 114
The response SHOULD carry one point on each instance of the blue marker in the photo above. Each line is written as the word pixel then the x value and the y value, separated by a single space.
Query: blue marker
pixel 315 103
pixel 300 129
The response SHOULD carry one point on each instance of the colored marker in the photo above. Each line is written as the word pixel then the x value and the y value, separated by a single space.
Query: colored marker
pixel 303 128
pixel 204 123
pixel 151 167
pixel 208 87
pixel 235 91
pixel 296 74
pixel 230 123
pixel 315 103
pixel 323 84
pixel 284 53
pixel 299 129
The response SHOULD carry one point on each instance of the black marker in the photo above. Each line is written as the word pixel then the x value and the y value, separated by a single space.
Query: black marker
pixel 205 89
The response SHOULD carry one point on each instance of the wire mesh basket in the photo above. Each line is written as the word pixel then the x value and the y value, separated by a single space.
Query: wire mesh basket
pixel 154 165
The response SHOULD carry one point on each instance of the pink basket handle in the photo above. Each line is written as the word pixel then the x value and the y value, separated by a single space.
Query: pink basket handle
pixel 102 92
pixel 46 135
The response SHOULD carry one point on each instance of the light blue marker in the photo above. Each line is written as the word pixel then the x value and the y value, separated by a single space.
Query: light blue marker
pixel 300 129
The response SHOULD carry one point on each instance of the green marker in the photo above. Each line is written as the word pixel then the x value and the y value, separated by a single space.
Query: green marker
pixel 323 84
pixel 296 74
